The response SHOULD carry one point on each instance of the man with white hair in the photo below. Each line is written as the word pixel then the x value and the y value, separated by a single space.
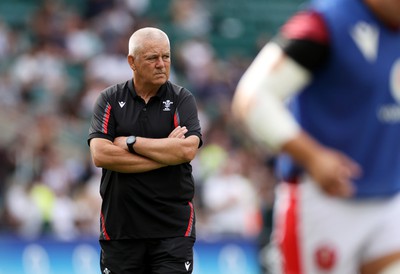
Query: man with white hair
pixel 144 133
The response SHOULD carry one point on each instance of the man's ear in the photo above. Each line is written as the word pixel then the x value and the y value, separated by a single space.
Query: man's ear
pixel 131 62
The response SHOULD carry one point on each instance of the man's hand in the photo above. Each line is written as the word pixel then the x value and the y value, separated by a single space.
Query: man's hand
pixel 334 172
pixel 178 132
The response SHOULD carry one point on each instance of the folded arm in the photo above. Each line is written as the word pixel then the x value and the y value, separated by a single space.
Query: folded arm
pixel 174 150
pixel 107 155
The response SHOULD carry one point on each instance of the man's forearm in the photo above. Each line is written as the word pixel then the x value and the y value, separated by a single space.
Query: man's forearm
pixel 109 156
pixel 169 151
pixel 135 164
pixel 302 149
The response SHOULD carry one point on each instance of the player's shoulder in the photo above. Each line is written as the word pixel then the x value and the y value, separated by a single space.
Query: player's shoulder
pixel 306 25
pixel 305 39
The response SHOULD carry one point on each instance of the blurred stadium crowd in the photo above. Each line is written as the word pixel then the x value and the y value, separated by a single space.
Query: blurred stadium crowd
pixel 56 58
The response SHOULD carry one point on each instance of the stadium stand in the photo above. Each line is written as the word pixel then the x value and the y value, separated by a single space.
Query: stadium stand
pixel 52 59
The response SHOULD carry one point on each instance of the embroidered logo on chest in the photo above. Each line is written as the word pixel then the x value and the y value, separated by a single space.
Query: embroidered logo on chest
pixel 325 257
pixel 167 105
pixel 366 37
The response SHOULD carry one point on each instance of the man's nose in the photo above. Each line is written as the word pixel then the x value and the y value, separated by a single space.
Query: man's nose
pixel 160 62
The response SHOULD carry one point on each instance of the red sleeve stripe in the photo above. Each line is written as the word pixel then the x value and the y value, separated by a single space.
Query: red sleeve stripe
pixel 106 118
pixel 103 227
pixel 176 119
pixel 191 218
pixel 306 25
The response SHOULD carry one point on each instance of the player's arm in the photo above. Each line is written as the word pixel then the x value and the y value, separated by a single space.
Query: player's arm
pixel 283 68
pixel 261 92
pixel 107 155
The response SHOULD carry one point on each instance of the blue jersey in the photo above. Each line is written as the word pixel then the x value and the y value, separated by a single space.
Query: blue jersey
pixel 353 101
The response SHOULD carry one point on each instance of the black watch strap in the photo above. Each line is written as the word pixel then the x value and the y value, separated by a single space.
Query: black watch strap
pixel 130 141
pixel 130 148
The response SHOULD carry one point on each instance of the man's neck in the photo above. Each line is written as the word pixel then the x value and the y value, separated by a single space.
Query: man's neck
pixel 145 92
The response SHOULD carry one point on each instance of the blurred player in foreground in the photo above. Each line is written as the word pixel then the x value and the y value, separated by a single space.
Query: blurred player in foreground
pixel 338 208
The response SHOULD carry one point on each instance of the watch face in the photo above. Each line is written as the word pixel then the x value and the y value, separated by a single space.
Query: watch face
pixel 131 140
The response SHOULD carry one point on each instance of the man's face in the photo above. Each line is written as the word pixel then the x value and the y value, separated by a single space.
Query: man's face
pixel 152 63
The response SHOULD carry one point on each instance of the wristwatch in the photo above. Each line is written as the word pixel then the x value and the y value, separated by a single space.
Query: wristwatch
pixel 130 141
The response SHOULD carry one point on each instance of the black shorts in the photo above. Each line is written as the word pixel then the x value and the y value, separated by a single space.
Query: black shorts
pixel 147 256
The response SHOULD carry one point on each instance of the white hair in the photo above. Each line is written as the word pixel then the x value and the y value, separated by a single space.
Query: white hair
pixel 137 38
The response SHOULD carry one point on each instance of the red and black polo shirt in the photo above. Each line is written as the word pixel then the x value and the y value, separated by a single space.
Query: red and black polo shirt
pixel 157 203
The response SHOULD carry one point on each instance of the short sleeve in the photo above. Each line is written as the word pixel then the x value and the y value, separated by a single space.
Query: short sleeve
pixel 186 114
pixel 305 38
pixel 102 124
